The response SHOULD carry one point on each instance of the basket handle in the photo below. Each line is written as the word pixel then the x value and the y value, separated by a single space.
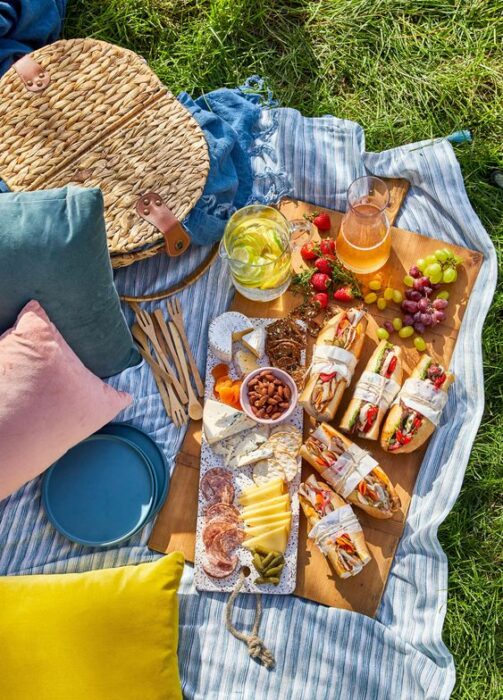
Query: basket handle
pixel 151 207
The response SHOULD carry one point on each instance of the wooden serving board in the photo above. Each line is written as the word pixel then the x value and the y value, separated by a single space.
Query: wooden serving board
pixel 176 523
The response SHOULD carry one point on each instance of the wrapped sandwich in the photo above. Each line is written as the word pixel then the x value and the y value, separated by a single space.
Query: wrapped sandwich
pixel 417 409
pixel 335 355
pixel 350 471
pixel 334 528
pixel 376 389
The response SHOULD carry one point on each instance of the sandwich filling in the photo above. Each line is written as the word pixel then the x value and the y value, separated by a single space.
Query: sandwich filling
pixel 370 490
pixel 434 376
pixel 344 335
pixel 335 527
pixel 366 415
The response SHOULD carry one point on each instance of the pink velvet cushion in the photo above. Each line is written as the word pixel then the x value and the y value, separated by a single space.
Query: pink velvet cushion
pixel 48 400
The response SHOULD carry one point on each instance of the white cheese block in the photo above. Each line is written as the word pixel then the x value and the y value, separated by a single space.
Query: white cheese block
pixel 221 421
pixel 223 330
pixel 245 362
pixel 255 342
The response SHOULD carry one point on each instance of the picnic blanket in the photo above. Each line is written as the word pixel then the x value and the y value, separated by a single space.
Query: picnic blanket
pixel 319 650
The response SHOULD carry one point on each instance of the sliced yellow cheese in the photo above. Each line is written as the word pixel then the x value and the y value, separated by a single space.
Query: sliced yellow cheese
pixel 280 504
pixel 258 489
pixel 270 520
pixel 262 529
pixel 272 541
pixel 263 493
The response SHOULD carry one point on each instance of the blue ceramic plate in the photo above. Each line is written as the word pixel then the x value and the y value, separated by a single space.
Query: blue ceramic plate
pixel 151 450
pixel 100 492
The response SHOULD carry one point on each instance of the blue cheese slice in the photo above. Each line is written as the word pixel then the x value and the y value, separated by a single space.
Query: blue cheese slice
pixel 223 330
pixel 255 342
pixel 245 459
pixel 221 421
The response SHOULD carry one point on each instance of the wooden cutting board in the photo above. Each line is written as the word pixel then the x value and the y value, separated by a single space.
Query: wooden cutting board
pixel 176 523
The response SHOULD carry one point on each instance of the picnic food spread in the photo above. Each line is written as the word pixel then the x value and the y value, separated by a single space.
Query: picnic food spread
pixel 252 443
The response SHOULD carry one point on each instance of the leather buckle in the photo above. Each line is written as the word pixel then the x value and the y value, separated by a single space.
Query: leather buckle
pixel 151 207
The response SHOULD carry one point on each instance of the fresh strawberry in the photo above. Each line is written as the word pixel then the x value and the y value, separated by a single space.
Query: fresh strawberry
pixel 320 281
pixel 321 299
pixel 327 245
pixel 308 252
pixel 344 293
pixel 322 222
pixel 323 265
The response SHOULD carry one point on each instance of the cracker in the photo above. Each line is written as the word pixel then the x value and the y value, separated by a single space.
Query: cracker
pixel 288 442
pixel 266 470
pixel 288 463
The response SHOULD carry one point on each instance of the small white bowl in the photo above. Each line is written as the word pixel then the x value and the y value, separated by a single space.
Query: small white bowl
pixel 280 374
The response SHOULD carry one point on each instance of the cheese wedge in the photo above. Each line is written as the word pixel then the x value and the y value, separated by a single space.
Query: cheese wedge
pixel 271 520
pixel 255 342
pixel 272 541
pixel 245 362
pixel 221 421
pixel 224 329
pixel 281 504
pixel 261 494
pixel 262 529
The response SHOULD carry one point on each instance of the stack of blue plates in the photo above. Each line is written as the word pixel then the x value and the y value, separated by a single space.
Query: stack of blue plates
pixel 106 488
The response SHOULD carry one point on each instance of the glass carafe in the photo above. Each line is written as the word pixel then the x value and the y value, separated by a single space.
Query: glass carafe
pixel 364 240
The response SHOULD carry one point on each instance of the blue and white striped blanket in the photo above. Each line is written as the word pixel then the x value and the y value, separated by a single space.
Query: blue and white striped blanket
pixel 320 652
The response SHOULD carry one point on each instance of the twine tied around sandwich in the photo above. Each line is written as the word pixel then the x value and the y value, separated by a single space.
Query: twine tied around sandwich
pixel 256 647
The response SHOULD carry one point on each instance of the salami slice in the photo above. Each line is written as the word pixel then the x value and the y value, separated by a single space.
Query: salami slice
pixel 225 542
pixel 222 510
pixel 218 567
pixel 213 528
pixel 216 486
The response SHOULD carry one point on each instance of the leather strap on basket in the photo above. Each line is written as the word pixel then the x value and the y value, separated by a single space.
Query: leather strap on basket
pixel 34 77
pixel 151 207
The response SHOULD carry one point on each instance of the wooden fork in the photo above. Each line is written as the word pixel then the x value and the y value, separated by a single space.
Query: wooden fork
pixel 147 325
pixel 175 311
pixel 164 337
pixel 157 371
pixel 173 407
pixel 195 408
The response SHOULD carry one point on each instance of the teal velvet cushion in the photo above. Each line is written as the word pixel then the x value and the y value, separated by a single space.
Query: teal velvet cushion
pixel 53 249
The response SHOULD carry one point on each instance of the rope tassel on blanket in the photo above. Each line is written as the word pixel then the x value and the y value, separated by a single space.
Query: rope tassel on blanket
pixel 256 647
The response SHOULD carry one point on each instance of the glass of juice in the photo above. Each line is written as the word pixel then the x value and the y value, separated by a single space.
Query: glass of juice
pixel 257 246
pixel 364 239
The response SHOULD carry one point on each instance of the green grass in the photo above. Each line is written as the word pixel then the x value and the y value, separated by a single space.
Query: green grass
pixel 406 70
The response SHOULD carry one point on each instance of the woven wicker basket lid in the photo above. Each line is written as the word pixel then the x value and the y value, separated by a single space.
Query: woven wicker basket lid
pixel 95 115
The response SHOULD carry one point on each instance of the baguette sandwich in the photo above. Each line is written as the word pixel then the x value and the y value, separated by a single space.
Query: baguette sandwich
pixel 417 408
pixel 334 528
pixel 376 389
pixel 351 472
pixel 335 356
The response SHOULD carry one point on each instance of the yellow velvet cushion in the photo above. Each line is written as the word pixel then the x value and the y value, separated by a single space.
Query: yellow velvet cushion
pixel 102 635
